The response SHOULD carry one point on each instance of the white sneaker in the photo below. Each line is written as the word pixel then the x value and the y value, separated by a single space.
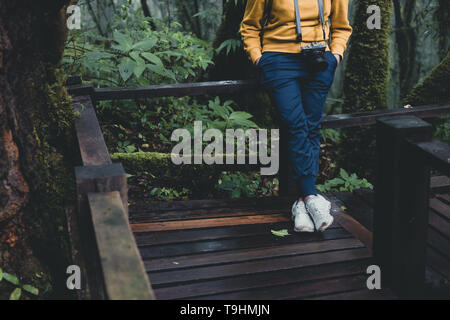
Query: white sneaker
pixel 319 209
pixel 302 221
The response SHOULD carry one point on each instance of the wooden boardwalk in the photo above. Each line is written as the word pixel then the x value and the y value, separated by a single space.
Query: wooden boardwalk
pixel 224 249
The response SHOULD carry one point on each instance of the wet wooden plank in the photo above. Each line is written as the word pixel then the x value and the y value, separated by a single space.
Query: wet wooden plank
pixel 295 290
pixel 122 268
pixel 444 197
pixel 264 240
pixel 229 204
pixel 439 223
pixel 200 214
pixel 204 223
pixel 242 255
pixel 361 294
pixel 261 280
pixel 440 184
pixel 440 208
pixel 438 262
pixel 252 267
pixel 434 279
pixel 439 242
pixel 190 235
pixel 216 233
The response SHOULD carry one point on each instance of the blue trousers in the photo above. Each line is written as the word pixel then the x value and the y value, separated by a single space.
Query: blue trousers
pixel 299 97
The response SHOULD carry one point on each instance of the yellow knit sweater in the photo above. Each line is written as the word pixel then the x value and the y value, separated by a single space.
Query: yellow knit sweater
pixel 280 33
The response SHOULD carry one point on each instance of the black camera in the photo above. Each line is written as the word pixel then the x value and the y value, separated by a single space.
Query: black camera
pixel 314 55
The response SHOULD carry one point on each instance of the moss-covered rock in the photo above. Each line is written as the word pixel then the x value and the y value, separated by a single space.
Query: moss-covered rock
pixel 434 88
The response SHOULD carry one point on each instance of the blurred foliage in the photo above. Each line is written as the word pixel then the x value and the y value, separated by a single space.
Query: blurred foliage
pixel 344 182
pixel 249 185
pixel 135 54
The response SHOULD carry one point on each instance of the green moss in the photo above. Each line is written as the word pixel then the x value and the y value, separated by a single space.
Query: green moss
pixel 53 184
pixel 434 88
pixel 367 72
pixel 158 167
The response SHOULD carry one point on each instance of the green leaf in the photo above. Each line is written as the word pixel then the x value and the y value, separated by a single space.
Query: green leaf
pixel 136 57
pixel 343 174
pixel 238 115
pixel 1 274
pixel 31 289
pixel 152 58
pixel 245 123
pixel 15 295
pixel 11 278
pixel 161 71
pixel 139 69
pixel 126 68
pixel 123 40
pixel 280 233
pixel 145 44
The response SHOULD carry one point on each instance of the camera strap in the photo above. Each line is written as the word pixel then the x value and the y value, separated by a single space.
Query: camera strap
pixel 265 18
pixel 298 21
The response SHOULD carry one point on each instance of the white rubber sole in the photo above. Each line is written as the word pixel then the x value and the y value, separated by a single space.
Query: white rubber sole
pixel 326 224
pixel 303 229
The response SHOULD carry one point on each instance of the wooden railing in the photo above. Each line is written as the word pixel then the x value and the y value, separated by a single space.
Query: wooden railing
pixel 406 152
pixel 103 245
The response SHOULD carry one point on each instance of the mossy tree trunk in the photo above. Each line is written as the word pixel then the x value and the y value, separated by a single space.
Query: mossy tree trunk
pixel 442 17
pixel 365 85
pixel 406 38
pixel 232 65
pixel 35 142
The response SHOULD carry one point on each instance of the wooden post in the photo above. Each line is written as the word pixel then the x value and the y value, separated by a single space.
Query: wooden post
pixel 105 178
pixel 401 207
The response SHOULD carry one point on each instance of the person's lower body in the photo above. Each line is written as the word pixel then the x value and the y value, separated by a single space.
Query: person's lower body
pixel 299 97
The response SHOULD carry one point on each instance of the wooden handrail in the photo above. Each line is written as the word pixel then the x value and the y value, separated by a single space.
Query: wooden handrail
pixel 123 271
pixel 166 90
pixel 103 245
pixel 435 153
pixel 234 86
pixel 405 154
pixel 91 143
pixel 371 117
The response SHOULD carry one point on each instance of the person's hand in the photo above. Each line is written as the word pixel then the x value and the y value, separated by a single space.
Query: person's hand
pixel 338 58
pixel 257 61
